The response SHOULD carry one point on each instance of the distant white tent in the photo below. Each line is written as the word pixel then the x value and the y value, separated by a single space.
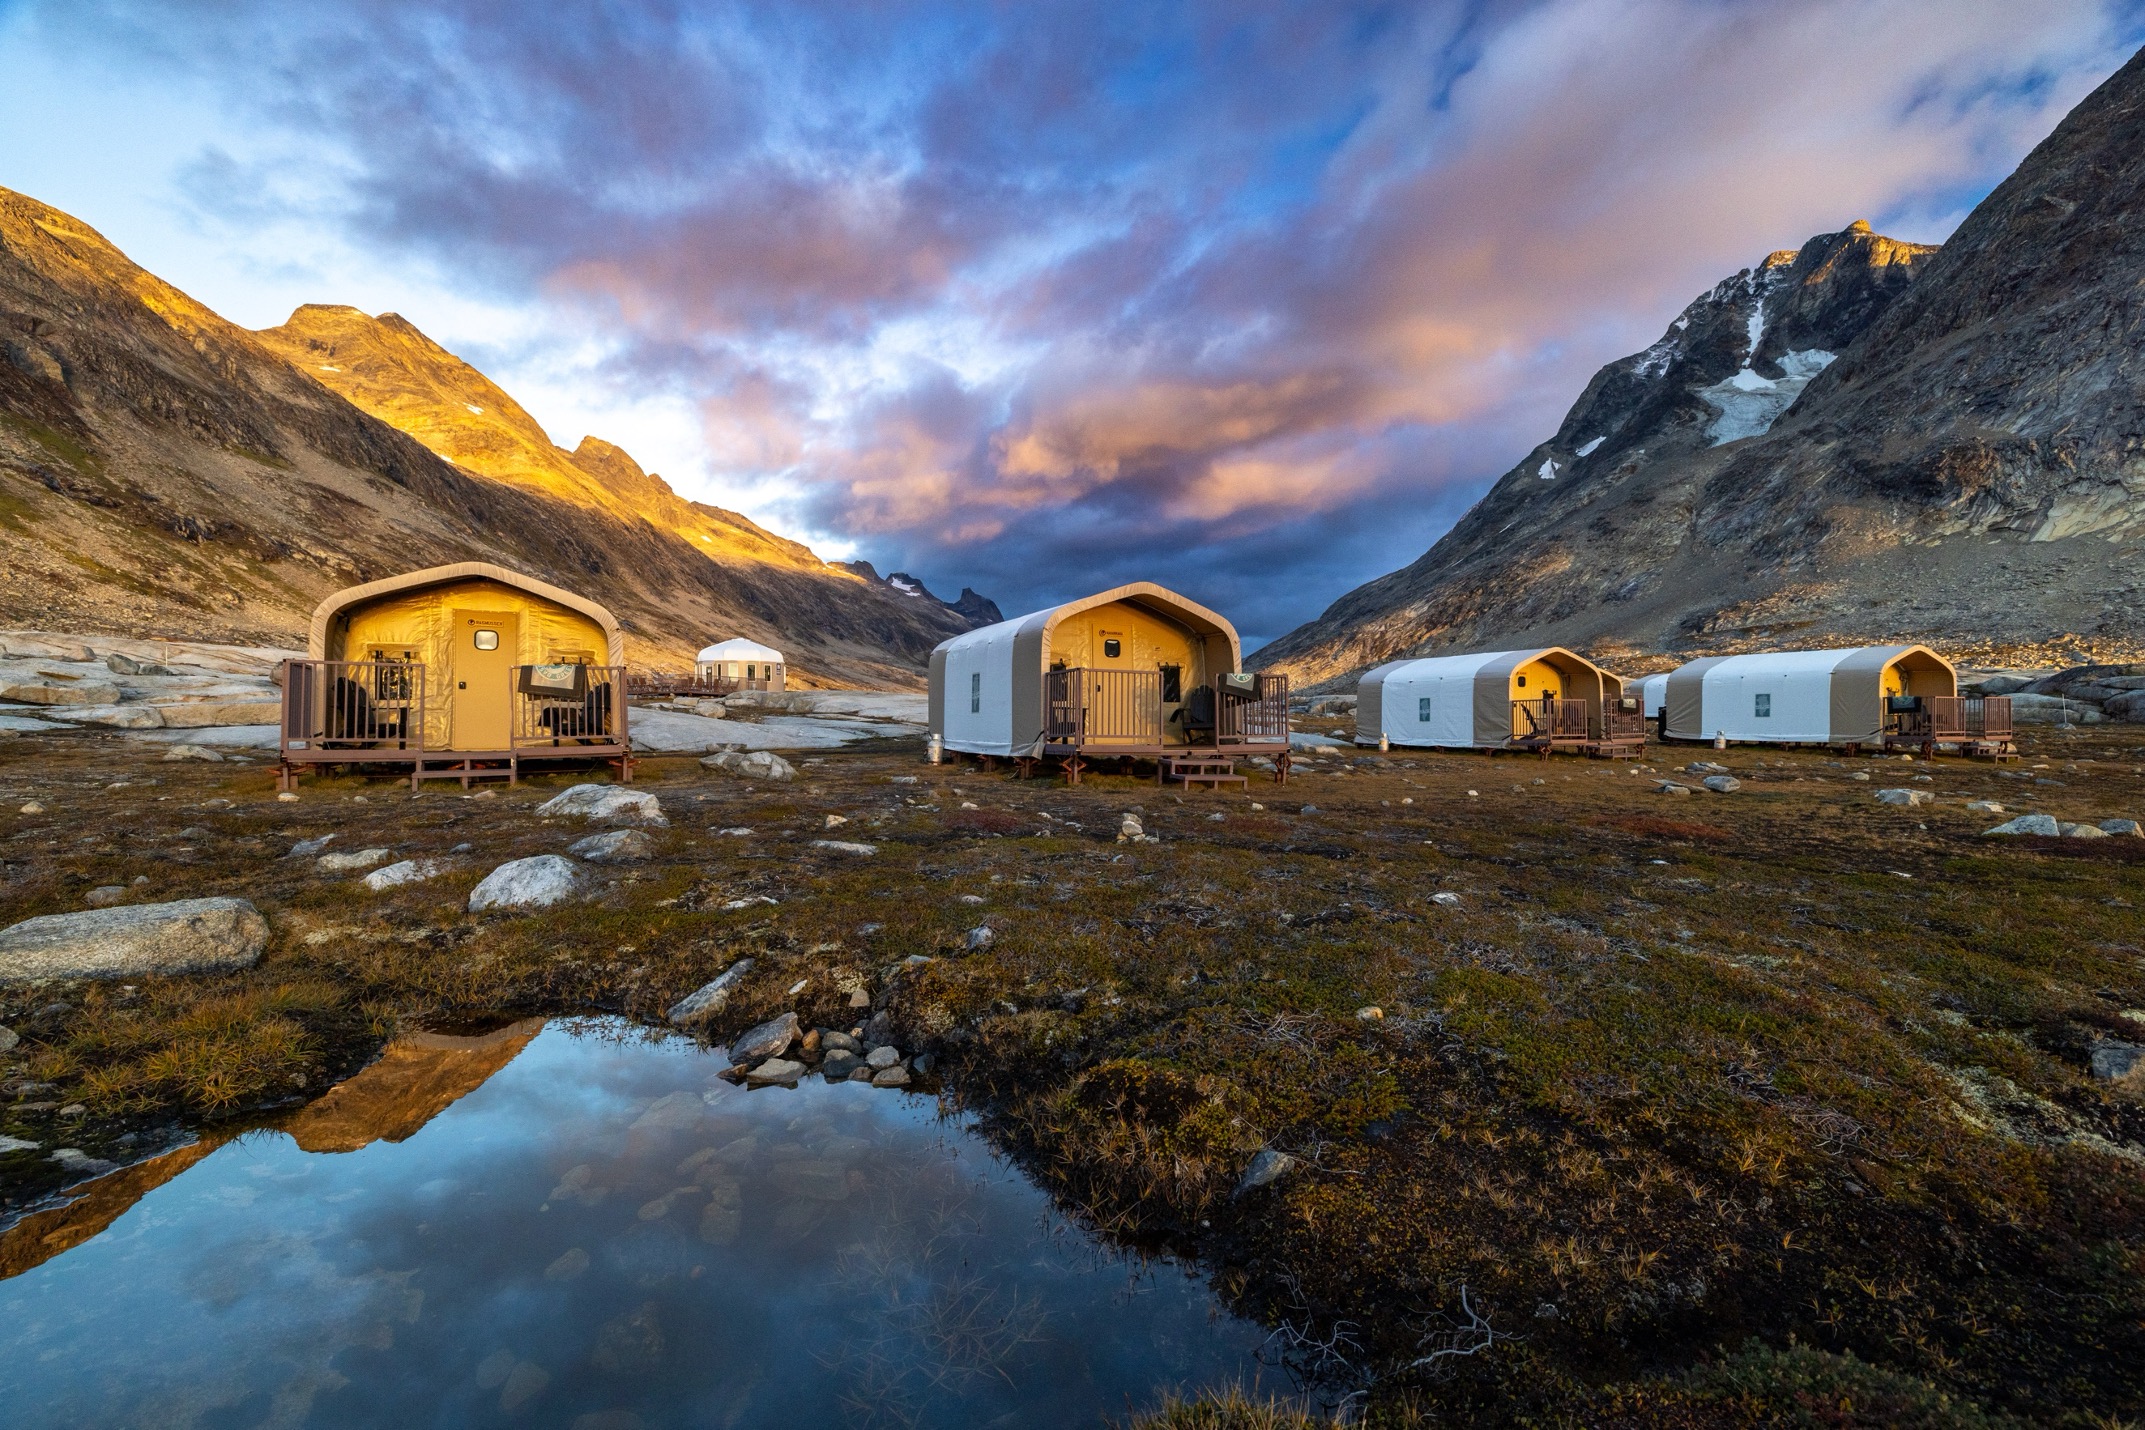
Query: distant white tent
pixel 1653 694
pixel 747 663
pixel 1815 697
pixel 1466 701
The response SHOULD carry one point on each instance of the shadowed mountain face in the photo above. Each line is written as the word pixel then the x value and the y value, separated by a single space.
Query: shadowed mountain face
pixel 1863 440
pixel 166 473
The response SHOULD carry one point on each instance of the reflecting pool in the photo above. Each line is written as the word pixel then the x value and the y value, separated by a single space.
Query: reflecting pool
pixel 579 1224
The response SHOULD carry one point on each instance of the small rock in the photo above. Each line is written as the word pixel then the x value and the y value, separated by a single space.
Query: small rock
pixel 1723 784
pixel 836 821
pixel 33 807
pixel 408 871
pixel 286 797
pixel 355 859
pixel 2041 824
pixel 1371 1014
pixel 2081 831
pixel 74 1109
pixel 2115 1061
pixel 619 846
pixel 1268 1166
pixel 534 883
pixel 768 1040
pixel 839 1064
pixel 307 848
pixel 901 779
pixel 1449 899
pixel 1313 809
pixel 896 1076
pixel 8 1039
pixel 78 1163
pixel 1130 830
pixel 1671 787
pixel 568 1266
pixel 884 1056
pixel 2121 826
pixel 969 899
pixel 859 999
pixel 981 937
pixel 709 998
pixel 105 895
pixel 1909 797
pixel 751 765
pixel 844 846
pixel 194 752
pixel 738 831
pixel 614 803
pixel 775 1070
pixel 1983 806
pixel 1705 767
pixel 17 1144
pixel 836 1041
pixel 188 936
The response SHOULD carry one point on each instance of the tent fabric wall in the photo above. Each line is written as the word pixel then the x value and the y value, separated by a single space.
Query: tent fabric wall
pixel 333 607
pixel 987 684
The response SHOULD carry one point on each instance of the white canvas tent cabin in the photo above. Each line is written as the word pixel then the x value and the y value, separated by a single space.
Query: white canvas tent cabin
pixel 740 664
pixel 1887 696
pixel 1543 699
pixel 457 672
pixel 1134 672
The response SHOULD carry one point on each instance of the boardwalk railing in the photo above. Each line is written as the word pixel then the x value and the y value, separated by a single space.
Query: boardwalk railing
pixel 1082 706
pixel 1261 720
pixel 354 705
pixel 669 685
pixel 564 706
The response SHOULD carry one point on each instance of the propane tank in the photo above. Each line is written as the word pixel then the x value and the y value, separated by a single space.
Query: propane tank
pixel 935 748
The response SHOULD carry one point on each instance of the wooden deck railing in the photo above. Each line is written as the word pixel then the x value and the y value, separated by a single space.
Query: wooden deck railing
pixel 1261 720
pixel 562 706
pixel 353 705
pixel 1083 706
pixel 1551 719
pixel 1945 719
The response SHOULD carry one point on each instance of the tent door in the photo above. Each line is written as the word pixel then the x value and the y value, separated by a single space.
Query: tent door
pixel 481 676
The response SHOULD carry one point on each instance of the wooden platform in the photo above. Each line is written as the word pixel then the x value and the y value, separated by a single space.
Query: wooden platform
pixel 467 766
pixel 1213 771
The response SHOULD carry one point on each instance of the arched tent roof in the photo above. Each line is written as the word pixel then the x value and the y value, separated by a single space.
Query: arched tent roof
pixel 738 648
pixel 1035 627
pixel 349 598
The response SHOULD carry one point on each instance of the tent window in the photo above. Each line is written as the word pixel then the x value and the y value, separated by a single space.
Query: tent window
pixel 975 693
pixel 1764 707
pixel 487 640
pixel 1112 648
pixel 1422 709
pixel 1522 682
pixel 1172 684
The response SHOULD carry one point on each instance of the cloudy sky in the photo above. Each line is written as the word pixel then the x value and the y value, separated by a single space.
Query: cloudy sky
pixel 1252 299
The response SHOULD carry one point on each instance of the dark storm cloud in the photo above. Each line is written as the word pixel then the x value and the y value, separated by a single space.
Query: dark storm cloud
pixel 1246 298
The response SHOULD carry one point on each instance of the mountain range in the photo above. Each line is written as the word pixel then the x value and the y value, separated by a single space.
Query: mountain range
pixel 1860 440
pixel 164 472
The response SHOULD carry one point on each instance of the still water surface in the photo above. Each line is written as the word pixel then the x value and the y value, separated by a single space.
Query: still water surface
pixel 602 1235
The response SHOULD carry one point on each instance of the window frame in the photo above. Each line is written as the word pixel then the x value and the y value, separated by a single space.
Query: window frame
pixel 975 692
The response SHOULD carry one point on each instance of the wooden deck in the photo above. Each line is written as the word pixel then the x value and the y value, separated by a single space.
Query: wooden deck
pixel 1977 726
pixel 1548 725
pixel 1118 715
pixel 375 716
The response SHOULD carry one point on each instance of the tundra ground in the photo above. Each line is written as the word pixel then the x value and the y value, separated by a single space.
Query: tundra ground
pixel 1699 1110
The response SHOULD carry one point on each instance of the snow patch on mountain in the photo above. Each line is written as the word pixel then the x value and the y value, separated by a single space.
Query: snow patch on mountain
pixel 1749 402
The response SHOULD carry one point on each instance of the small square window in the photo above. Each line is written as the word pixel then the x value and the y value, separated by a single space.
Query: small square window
pixel 487 640
pixel 975 693
pixel 1111 648
pixel 1522 682
pixel 1422 710
pixel 1763 707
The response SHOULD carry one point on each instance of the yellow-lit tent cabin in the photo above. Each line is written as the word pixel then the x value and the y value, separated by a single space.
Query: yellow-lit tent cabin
pixel 457 672
pixel 1136 672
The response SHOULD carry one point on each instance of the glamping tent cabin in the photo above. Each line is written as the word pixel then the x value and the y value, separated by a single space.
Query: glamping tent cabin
pixel 457 672
pixel 1500 700
pixel 739 664
pixel 1136 672
pixel 1890 695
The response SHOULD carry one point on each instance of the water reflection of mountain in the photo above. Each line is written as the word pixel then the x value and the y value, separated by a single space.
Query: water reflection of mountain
pixel 416 1078
pixel 39 1237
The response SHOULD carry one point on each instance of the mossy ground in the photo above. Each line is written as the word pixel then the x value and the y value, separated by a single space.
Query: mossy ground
pixel 1688 1111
